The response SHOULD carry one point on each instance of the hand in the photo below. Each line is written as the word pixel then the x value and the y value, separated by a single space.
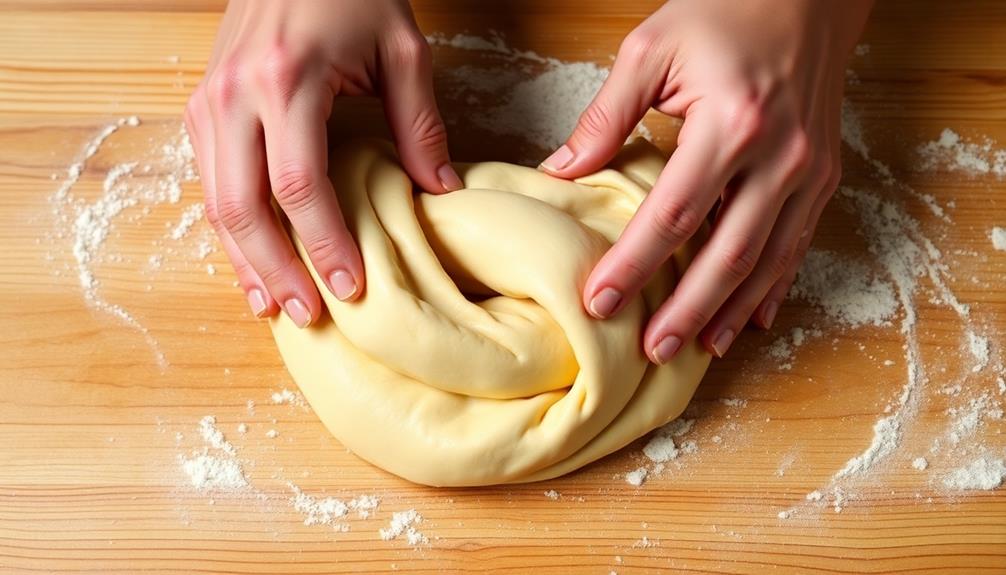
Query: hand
pixel 759 85
pixel 258 124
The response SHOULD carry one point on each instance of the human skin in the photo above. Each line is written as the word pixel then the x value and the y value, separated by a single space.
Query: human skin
pixel 759 84
pixel 258 125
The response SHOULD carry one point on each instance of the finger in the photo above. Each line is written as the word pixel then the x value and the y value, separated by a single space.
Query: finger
pixel 612 115
pixel 199 125
pixel 411 109
pixel 775 260
pixel 730 255
pixel 831 173
pixel 243 206
pixel 681 197
pixel 769 305
pixel 297 152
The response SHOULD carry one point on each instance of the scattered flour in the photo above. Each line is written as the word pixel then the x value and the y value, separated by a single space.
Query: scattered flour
pixel 405 522
pixel 998 236
pixel 287 397
pixel 661 447
pixel 213 436
pixel 979 347
pixel 190 216
pixel 552 494
pixel 645 543
pixel 983 473
pixel 537 99
pixel 845 289
pixel 636 477
pixel 87 222
pixel 953 153
pixel 329 510
pixel 886 437
pixel 920 463
pixel 212 473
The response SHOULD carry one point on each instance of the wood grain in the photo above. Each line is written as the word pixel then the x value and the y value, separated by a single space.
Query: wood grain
pixel 89 473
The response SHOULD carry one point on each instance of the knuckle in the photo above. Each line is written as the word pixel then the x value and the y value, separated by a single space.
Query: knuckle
pixel 279 73
pixel 195 103
pixel 738 260
pixel 777 261
pixel 635 271
pixel 639 45
pixel 675 221
pixel 801 151
pixel 275 274
pixel 224 85
pixel 236 215
pixel 295 188
pixel 745 120
pixel 408 48
pixel 694 318
pixel 428 131
pixel 595 122
pixel 210 209
pixel 326 248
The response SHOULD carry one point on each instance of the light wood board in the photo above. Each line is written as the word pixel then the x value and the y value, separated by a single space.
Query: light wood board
pixel 89 459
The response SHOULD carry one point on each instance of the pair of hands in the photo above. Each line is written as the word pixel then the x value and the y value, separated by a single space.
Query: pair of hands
pixel 758 83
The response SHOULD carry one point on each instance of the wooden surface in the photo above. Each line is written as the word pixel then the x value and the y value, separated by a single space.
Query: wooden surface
pixel 89 460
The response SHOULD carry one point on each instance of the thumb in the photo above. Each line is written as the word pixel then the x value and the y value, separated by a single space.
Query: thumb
pixel 604 125
pixel 411 109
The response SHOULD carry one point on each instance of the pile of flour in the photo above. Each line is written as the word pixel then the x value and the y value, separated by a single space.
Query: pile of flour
pixel 511 92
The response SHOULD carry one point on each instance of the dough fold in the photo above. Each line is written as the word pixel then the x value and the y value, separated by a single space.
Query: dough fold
pixel 469 360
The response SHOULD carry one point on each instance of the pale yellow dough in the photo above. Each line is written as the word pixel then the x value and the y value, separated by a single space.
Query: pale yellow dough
pixel 514 382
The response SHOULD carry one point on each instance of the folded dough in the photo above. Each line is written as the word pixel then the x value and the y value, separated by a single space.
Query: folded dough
pixel 469 360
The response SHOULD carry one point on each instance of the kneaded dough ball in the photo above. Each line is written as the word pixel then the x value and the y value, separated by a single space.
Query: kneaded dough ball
pixel 469 359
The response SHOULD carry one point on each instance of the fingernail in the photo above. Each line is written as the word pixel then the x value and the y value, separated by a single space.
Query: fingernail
pixel 449 178
pixel 257 302
pixel 666 349
pixel 722 342
pixel 343 285
pixel 559 159
pixel 297 312
pixel 769 316
pixel 604 303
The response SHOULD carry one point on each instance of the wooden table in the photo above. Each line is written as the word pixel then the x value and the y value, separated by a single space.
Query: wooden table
pixel 89 447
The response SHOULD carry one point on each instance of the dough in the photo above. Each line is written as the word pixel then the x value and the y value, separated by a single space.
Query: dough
pixel 469 360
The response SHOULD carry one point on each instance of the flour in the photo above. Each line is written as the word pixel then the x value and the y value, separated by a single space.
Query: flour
pixel 213 436
pixel 845 289
pixel 636 477
pixel 953 153
pixel 886 435
pixel 88 222
pixel 998 236
pixel 966 419
pixel 405 522
pixel 661 447
pixel 920 463
pixel 329 510
pixel 979 347
pixel 287 397
pixel 206 472
pixel 983 473
pixel 520 93
pixel 552 494
pixel 190 216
